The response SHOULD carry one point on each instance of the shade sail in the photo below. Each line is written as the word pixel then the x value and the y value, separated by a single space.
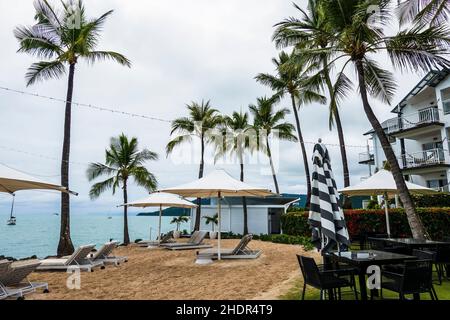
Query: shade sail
pixel 161 199
pixel 382 183
pixel 218 181
pixel 12 180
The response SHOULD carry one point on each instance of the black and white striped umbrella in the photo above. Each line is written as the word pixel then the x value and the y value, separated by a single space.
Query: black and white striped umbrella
pixel 325 216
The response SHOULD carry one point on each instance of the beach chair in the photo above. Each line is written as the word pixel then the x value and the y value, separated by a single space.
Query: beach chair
pixel 104 254
pixel 194 242
pixel 241 251
pixel 167 238
pixel 14 282
pixel 78 259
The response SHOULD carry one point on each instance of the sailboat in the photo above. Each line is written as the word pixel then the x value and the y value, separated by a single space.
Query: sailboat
pixel 12 220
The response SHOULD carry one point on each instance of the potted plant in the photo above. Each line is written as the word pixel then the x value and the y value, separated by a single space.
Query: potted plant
pixel 178 221
pixel 214 220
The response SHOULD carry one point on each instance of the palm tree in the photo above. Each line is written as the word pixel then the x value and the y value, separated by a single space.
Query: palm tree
pixel 123 161
pixel 433 12
pixel 357 35
pixel 214 221
pixel 62 37
pixel 311 31
pixel 294 80
pixel 266 120
pixel 235 141
pixel 202 117
pixel 179 220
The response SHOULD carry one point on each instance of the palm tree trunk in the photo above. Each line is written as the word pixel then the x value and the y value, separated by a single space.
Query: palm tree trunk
pixel 244 201
pixel 415 223
pixel 65 246
pixel 198 212
pixel 304 155
pixel 337 120
pixel 275 181
pixel 126 235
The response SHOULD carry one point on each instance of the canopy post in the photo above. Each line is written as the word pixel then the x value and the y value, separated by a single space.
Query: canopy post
pixel 219 221
pixel 159 226
pixel 386 210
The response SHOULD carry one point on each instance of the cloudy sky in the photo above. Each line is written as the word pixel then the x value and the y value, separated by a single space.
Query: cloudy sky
pixel 181 51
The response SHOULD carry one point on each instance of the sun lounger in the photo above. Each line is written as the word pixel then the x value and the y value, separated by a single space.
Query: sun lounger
pixel 167 238
pixel 241 251
pixel 194 242
pixel 104 254
pixel 13 281
pixel 77 260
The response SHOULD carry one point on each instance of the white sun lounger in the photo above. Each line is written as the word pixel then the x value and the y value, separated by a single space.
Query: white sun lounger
pixel 104 254
pixel 241 251
pixel 78 259
pixel 14 282
pixel 167 238
pixel 194 242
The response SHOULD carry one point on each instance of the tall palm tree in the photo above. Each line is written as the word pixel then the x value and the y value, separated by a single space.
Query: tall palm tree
pixel 267 120
pixel 357 35
pixel 294 81
pixel 62 37
pixel 202 117
pixel 433 12
pixel 123 160
pixel 235 141
pixel 311 31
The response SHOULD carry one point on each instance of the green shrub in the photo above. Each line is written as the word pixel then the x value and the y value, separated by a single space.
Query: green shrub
pixel 435 220
pixel 440 200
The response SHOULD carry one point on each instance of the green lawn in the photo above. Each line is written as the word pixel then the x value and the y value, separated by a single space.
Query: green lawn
pixel 443 292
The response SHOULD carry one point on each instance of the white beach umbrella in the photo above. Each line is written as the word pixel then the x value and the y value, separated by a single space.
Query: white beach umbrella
pixel 218 184
pixel 12 180
pixel 383 183
pixel 161 199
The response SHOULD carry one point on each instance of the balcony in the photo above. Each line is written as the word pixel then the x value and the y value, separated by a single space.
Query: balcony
pixel 366 158
pixel 424 161
pixel 415 124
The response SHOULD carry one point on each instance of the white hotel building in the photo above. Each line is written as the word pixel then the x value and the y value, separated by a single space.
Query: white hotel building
pixel 419 133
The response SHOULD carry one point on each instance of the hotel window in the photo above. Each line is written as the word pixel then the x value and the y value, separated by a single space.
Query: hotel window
pixel 445 95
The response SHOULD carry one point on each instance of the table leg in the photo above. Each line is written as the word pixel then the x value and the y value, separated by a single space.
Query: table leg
pixel 362 285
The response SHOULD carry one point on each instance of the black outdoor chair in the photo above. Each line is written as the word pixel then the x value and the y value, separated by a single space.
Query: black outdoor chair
pixel 326 280
pixel 442 262
pixel 415 279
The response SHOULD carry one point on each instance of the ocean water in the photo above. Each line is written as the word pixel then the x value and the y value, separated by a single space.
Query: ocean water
pixel 38 234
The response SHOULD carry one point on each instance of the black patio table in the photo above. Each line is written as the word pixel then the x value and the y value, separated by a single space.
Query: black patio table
pixel 361 260
pixel 413 243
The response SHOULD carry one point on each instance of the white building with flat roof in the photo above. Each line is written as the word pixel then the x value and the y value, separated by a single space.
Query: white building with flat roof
pixel 419 133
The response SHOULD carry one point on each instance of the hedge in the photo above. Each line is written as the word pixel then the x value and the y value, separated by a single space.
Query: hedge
pixel 436 221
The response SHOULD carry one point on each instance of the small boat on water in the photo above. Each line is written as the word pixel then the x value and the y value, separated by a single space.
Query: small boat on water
pixel 56 214
pixel 109 218
pixel 11 221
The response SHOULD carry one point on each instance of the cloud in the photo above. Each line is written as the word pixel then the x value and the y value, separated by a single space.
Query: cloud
pixel 181 51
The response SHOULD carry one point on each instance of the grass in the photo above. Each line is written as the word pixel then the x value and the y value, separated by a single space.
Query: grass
pixel 443 292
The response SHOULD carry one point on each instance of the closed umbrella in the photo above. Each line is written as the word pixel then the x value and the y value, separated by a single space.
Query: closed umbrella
pixel 218 184
pixel 161 199
pixel 383 183
pixel 325 215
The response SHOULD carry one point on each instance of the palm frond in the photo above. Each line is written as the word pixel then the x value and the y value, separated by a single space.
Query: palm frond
pixel 176 142
pixel 44 70
pixel 100 187
pixel 96 170
pixel 94 56
pixel 380 82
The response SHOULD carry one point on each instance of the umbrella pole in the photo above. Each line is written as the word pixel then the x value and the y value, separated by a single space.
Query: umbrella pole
pixel 386 210
pixel 159 226
pixel 12 206
pixel 219 218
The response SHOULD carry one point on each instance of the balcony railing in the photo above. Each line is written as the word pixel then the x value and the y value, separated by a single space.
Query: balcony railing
pixel 422 158
pixel 366 157
pixel 424 116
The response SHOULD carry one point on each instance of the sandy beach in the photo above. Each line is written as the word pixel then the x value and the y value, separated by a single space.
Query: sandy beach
pixel 164 274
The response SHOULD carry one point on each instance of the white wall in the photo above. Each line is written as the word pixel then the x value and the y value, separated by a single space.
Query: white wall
pixel 257 219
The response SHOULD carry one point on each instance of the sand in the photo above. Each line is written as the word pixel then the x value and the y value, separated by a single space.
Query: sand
pixel 164 274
